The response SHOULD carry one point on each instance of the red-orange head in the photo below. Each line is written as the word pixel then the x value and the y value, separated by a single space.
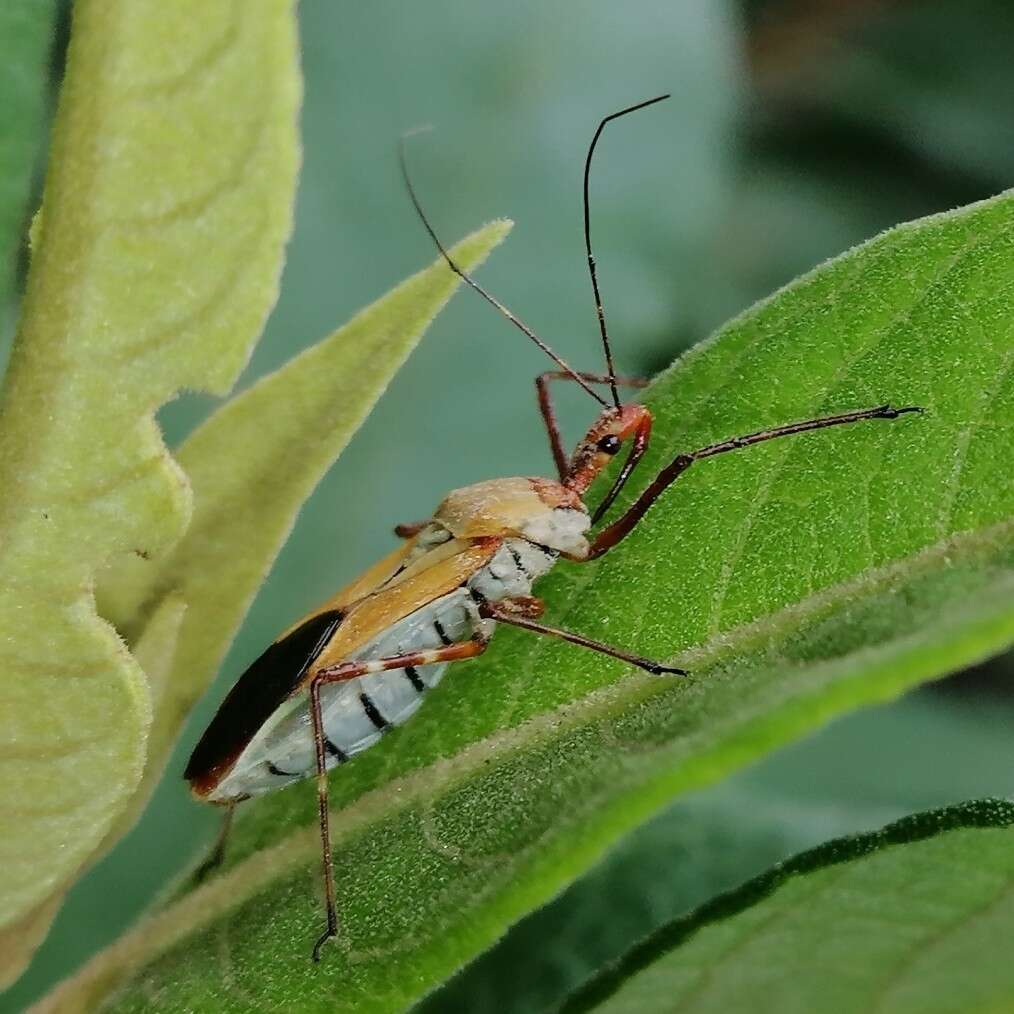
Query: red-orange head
pixel 614 428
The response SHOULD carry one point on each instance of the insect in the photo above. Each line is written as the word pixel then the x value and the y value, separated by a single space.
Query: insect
pixel 361 663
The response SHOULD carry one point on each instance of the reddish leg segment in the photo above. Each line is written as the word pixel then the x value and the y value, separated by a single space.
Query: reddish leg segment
pixel 350 671
pixel 619 529
pixel 549 412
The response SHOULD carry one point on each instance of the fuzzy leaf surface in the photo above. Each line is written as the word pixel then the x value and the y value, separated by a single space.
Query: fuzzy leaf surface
pixel 937 751
pixel 167 205
pixel 911 919
pixel 796 580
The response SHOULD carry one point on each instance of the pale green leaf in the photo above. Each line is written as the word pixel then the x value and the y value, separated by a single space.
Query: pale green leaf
pixel 156 651
pixel 252 465
pixel 797 580
pixel 908 920
pixel 20 938
pixel 168 201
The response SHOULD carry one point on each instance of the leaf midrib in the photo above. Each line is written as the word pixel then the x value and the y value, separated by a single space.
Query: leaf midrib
pixel 207 903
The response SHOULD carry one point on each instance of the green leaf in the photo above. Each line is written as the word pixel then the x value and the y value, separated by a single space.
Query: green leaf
pixel 938 751
pixel 157 652
pixel 25 39
pixel 251 466
pixel 665 868
pixel 167 202
pixel 797 580
pixel 910 918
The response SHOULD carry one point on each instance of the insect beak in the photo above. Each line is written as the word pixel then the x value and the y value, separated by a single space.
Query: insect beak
pixel 639 446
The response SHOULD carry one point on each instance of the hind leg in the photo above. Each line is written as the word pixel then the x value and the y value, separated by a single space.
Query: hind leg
pixel 217 853
pixel 339 673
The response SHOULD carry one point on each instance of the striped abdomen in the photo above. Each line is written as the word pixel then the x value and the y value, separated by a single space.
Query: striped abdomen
pixel 358 712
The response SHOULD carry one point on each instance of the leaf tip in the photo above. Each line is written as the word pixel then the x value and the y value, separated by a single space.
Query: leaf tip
pixel 471 251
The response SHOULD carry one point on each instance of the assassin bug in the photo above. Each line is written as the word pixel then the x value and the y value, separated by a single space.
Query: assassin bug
pixel 359 664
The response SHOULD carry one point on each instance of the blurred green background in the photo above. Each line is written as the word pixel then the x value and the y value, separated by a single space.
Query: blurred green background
pixel 797 128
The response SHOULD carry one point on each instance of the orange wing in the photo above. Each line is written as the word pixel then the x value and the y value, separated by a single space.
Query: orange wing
pixel 438 572
pixel 383 595
pixel 367 582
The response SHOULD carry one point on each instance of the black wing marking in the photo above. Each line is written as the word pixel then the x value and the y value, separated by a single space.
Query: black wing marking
pixel 256 695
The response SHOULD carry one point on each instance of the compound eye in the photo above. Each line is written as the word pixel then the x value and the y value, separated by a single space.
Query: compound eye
pixel 609 444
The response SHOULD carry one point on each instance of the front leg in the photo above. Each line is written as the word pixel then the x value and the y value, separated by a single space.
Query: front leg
pixel 518 612
pixel 624 525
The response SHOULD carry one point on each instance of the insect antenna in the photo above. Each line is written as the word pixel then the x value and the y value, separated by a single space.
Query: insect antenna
pixel 465 277
pixel 587 240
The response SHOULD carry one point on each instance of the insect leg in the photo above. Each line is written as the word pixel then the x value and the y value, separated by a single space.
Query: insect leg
pixel 548 412
pixel 519 617
pixel 528 606
pixel 217 853
pixel 337 674
pixel 619 529
pixel 320 758
pixel 449 653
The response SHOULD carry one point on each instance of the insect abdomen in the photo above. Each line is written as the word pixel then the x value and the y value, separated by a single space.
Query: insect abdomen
pixel 358 712
pixel 255 698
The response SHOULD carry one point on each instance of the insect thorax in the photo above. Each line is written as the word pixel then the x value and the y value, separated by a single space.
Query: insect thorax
pixel 541 511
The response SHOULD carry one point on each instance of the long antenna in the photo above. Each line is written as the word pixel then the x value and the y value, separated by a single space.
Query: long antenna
pixel 465 277
pixel 587 241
